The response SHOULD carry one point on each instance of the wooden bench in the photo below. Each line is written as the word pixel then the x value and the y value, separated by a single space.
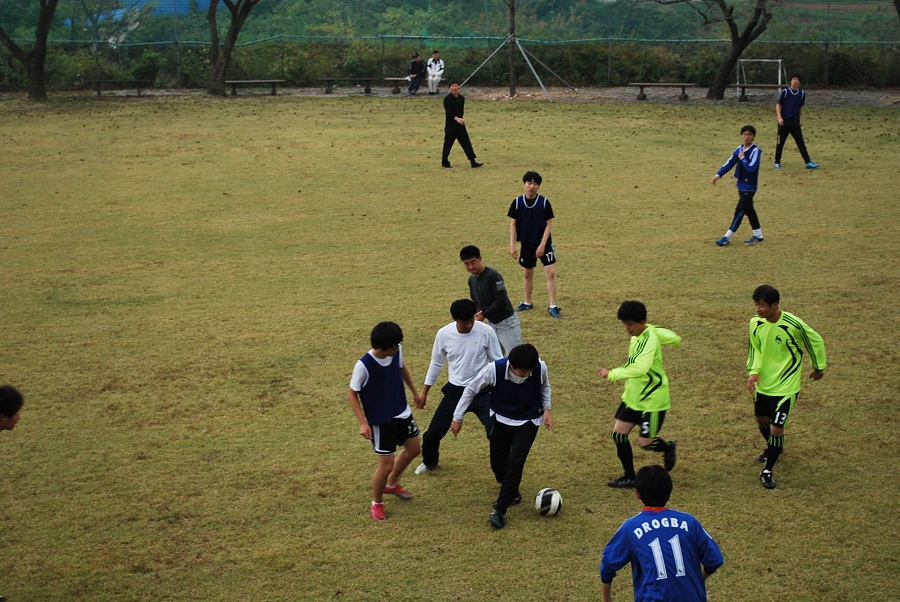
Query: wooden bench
pixel 329 82
pixel 395 81
pixel 137 84
pixel 742 97
pixel 234 83
pixel 642 85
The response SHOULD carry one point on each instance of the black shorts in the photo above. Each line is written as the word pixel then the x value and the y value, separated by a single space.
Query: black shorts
pixel 386 438
pixel 650 422
pixel 527 259
pixel 776 407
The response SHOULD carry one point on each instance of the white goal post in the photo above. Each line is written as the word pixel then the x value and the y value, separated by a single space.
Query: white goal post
pixel 742 72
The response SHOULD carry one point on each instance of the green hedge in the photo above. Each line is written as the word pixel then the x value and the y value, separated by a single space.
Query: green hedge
pixel 598 63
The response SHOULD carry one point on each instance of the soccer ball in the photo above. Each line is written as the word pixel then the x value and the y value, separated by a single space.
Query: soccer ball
pixel 548 502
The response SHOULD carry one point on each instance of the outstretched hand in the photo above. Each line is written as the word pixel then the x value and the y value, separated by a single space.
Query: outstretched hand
pixel 455 427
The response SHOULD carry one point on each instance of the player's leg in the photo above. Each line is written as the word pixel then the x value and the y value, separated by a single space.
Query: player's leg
pixel 407 433
pixel 626 420
pixel 509 332
pixel 750 210
pixel 501 439
pixel 384 445
pixel 649 440
pixel 764 410
pixel 449 139
pixel 549 261
pixel 520 445
pixel 779 143
pixel 466 143
pixel 481 407
pixel 783 410
pixel 440 424
pixel 797 133
pixel 529 285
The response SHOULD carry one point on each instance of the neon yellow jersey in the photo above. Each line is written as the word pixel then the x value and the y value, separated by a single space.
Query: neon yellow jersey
pixel 646 383
pixel 776 353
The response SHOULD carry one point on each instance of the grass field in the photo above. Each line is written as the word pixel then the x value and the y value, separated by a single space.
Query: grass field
pixel 188 282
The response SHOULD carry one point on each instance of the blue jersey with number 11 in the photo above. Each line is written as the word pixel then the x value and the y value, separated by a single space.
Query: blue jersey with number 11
pixel 666 549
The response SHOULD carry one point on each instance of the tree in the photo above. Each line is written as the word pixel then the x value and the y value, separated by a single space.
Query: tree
pixel 897 6
pixel 717 11
pixel 34 59
pixel 220 55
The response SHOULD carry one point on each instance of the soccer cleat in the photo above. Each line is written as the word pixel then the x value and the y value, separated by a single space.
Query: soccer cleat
pixel 622 482
pixel 670 456
pixel 767 480
pixel 377 512
pixel 524 306
pixel 398 490
pixel 723 242
pixel 497 520
pixel 476 164
pixel 554 312
pixel 754 239
pixel 778 166
pixel 762 457
pixel 812 165
pixel 422 468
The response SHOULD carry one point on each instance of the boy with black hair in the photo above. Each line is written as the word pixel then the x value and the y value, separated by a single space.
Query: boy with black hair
pixel 488 291
pixel 377 398
pixel 416 73
pixel 455 126
pixel 745 159
pixel 520 404
pixel 777 341
pixel 645 400
pixel 467 346
pixel 531 220
pixel 435 67
pixel 790 103
pixel 11 401
pixel 670 552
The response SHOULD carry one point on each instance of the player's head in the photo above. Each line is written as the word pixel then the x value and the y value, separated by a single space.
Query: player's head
pixel 416 55
pixel 471 258
pixel 632 311
pixel 653 485
pixel 11 402
pixel 469 252
pixel 386 336
pixel 463 309
pixel 454 87
pixel 766 294
pixel 523 359
pixel 532 176
pixel 750 129
pixel 795 76
pixel 435 53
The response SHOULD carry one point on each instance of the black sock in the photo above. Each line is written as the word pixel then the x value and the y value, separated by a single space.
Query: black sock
pixel 776 446
pixel 765 430
pixel 626 456
pixel 659 445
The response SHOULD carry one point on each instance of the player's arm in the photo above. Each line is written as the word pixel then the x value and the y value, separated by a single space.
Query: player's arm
pixel 542 248
pixel 638 364
pixel 815 347
pixel 407 378
pixel 606 591
pixel 434 370
pixel 754 359
pixel 512 238
pixel 778 108
pixel 667 337
pixel 365 431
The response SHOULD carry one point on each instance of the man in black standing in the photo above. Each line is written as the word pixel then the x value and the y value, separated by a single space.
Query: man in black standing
pixel 455 126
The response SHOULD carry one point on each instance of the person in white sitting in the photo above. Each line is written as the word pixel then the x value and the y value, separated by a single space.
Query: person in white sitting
pixel 435 68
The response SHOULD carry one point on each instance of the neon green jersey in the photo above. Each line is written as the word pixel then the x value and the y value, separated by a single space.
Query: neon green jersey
pixel 776 353
pixel 646 383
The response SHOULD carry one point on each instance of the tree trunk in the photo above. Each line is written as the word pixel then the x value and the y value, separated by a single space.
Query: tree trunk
pixel 33 61
pixel 512 48
pixel 723 74
pixel 897 6
pixel 221 56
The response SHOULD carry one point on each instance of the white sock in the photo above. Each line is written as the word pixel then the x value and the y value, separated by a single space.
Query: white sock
pixel 729 234
pixel 758 233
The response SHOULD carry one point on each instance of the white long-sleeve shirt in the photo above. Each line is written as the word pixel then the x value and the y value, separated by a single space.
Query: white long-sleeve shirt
pixel 466 354
pixel 488 378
